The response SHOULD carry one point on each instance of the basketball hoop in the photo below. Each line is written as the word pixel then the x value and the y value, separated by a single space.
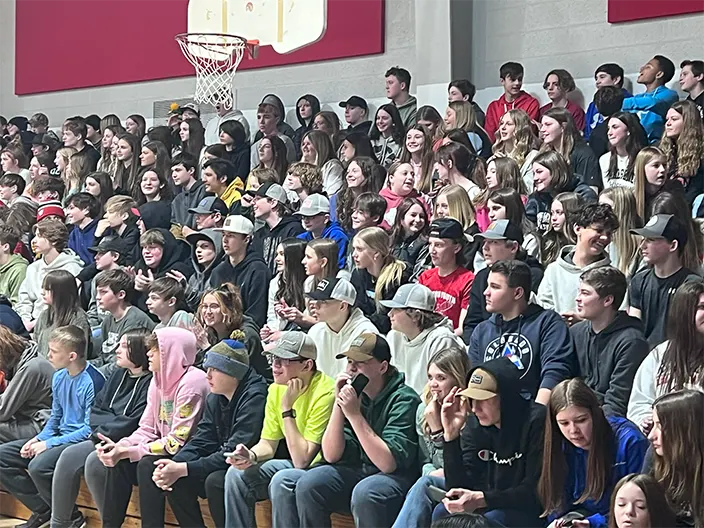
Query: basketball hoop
pixel 215 56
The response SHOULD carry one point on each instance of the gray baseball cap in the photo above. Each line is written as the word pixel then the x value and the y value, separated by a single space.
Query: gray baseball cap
pixel 237 224
pixel 412 296
pixel 314 205
pixel 209 205
pixel 294 345
pixel 272 190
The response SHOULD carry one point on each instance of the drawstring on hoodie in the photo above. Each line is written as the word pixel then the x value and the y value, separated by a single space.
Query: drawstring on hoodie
pixel 134 391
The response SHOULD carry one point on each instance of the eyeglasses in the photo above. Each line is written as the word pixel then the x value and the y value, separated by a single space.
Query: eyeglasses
pixel 281 362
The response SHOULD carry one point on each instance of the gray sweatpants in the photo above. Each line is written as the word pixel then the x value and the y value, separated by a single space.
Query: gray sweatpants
pixel 96 475
pixel 67 481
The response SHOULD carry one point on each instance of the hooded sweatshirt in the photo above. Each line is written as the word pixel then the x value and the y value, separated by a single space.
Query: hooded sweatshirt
pixel 305 125
pixel 212 129
pixel 539 202
pixel 80 239
pixel 27 396
pixel 282 126
pixel 252 276
pixel 411 356
pixel 226 424
pixel 10 319
pixel 30 303
pixel 392 417
pixel 393 200
pixel 651 108
pixel 266 240
pixel 537 342
pixel 175 400
pixel 119 406
pixel 386 150
pixel 608 361
pixel 408 111
pixel 198 282
pixel 330 343
pixel 505 462
pixel 559 287
pixel 498 108
pixel 12 273
pixel 333 231
pixel 185 200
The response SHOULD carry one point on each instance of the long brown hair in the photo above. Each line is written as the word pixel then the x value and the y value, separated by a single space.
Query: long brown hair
pixel 685 152
pixel 551 241
pixel 508 176
pixel 570 135
pixel 229 299
pixel 12 347
pixel 325 248
pixel 347 195
pixel 659 511
pixel 575 393
pixel 64 297
pixel 644 157
pixel 635 141
pixel 425 181
pixel 559 168
pixel 681 468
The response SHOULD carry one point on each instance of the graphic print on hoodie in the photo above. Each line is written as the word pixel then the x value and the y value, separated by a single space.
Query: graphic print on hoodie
pixel 175 400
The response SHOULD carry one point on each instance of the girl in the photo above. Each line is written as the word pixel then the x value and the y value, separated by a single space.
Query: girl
pixel 307 107
pixel 626 139
pixel 166 136
pixel 585 455
pixel 500 173
pixel 153 187
pixel 320 262
pixel 317 149
pixel 154 156
pixel 107 160
pixel 272 155
pixel 678 453
pixel 399 185
pixel 192 136
pixel 286 290
pixel 455 165
pixel 674 204
pixel 354 145
pixel 558 132
pixel 136 125
pixel 683 146
pixel 517 140
pixel 14 160
pixel 460 114
pixel 125 179
pixel 446 369
pixel 387 134
pixel 42 165
pixel 650 176
pixel 63 155
pixel 409 236
pixel 624 250
pixel 452 201
pixel 559 233
pixel 431 119
pixel 72 175
pixel 558 84
pixel 237 149
pixel 639 501
pixel 359 179
pixel 508 204
pixel 328 123
pixel 551 176
pixel 378 274
pixel 675 364
pixel 418 151
pixel 99 184
pixel 60 295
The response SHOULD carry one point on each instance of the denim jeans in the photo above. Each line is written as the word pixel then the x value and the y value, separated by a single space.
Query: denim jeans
pixel 417 509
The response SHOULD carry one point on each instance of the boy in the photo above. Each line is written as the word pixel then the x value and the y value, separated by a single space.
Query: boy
pixel 11 187
pixel 368 211
pixel 224 113
pixel 114 291
pixel 356 112
pixel 610 345
pixel 593 224
pixel 608 74
pixel 13 268
pixel 82 212
pixel 449 280
pixel 120 219
pixel 184 173
pixel 74 134
pixel 652 106
pixel 27 466
pixel 206 254
pixel 315 218
pixel 167 300
pixel 464 90
pixel 219 179
pixel 48 188
pixel 109 254
pixel 607 101
pixel 209 214
pixel 511 74
pixel 692 82
pixel 651 290
pixel 398 86
pixel 268 117
pixel 93 131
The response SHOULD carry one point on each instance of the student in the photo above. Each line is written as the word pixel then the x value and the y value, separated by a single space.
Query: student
pixel 272 156
pixel 233 415
pixel 268 117
pixel 449 280
pixel 184 173
pixel 651 290
pixel 206 254
pixel 652 105
pixel 452 201
pixel 368 211
pixel 307 107
pixel 355 144
pixel 370 445
pixel 503 428
pixel 319 262
pixel 516 139
pixel 233 137
pixel 626 139
pixel 13 267
pixel 675 364
pixel 387 134
pixel 272 207
pixel 302 180
pixel 593 224
pixel 608 74
pixel 50 239
pixel 460 115
pixel 511 74
pixel 559 84
pixel 120 219
pixel 83 213
pixel 224 113
pixel 417 332
pixel 114 292
pixel 608 101
pixel 502 173
pixel 609 344
pixel 624 249
pixel 639 501
pixel 175 403
pixel 678 453
pixel 12 186
pixel 536 340
pixel 692 82
pixel 166 300
pixel 74 135
pixel 585 455
pixel 315 218
pixel 456 165
pixel 418 151
pixel 110 254
pixel 27 466
pixel 317 149
pixel 409 236
pixel 501 241
pixel 26 398
pixel 47 189
pixel 356 113
pixel 398 86
pixel 298 407
pixel 287 301
pixel 243 267
pixel 507 204
pixel 99 184
pixel 210 213
pixel 446 369
pixel 219 179
pixel 398 187
pixel 464 90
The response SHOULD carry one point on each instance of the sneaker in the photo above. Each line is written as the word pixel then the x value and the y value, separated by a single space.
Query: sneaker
pixel 77 520
pixel 37 520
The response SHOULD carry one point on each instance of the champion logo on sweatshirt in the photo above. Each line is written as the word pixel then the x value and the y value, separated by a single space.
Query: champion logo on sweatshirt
pixel 513 346
pixel 486 455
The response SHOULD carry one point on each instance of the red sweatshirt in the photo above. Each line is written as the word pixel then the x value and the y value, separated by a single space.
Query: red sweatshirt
pixel 498 108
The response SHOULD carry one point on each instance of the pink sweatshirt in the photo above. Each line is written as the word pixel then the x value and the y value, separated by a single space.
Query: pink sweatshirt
pixel 175 400
pixel 393 200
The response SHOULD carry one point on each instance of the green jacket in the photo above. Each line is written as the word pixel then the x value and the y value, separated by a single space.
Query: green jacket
pixel 11 276
pixel 391 416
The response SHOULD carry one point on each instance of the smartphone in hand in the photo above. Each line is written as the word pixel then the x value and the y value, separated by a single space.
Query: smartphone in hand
pixel 436 494
pixel 359 382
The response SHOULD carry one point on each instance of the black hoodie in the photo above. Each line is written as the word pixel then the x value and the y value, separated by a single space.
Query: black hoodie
pixel 609 360
pixel 305 126
pixel 118 408
pixel 539 202
pixel 266 240
pixel 224 425
pixel 252 277
pixel 504 463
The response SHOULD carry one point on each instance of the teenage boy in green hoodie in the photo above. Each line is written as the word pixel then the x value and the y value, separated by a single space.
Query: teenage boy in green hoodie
pixel 13 268
pixel 370 444
pixel 398 86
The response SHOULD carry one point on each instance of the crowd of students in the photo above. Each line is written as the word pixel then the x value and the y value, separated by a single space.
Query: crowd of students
pixel 465 320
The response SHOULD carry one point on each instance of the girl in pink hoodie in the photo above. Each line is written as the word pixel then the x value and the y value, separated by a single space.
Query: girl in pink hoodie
pixel 399 186
pixel 175 402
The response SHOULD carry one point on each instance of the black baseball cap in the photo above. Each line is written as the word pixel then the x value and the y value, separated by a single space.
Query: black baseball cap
pixel 502 230
pixel 367 346
pixel 334 289
pixel 664 226
pixel 209 205
pixel 355 100
pixel 110 243
pixel 446 228
pixel 94 121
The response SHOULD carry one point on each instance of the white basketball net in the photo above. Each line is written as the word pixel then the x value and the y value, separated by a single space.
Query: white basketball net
pixel 215 58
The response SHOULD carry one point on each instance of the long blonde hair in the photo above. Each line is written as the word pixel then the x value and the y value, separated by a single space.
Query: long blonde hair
pixel 65 153
pixel 686 152
pixel 454 363
pixel 627 244
pixel 392 269
pixel 465 116
pixel 644 157
pixel 459 205
pixel 569 133
pixel 524 138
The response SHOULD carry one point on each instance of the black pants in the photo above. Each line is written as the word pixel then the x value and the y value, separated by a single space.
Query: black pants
pixel 118 490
